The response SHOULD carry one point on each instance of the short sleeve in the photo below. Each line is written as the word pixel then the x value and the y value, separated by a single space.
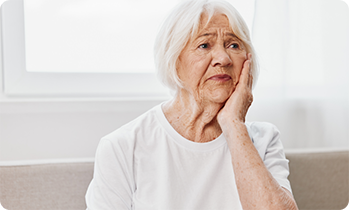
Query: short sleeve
pixel 112 185
pixel 266 138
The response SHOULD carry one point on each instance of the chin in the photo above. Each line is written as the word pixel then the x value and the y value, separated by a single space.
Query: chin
pixel 220 96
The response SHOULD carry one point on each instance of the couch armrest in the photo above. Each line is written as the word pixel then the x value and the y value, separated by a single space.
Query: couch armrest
pixel 45 184
pixel 319 178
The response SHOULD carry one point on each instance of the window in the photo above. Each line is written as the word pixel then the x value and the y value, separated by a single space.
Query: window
pixel 84 48
pixel 42 57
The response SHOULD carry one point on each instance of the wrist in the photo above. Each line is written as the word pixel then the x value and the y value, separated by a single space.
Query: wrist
pixel 232 124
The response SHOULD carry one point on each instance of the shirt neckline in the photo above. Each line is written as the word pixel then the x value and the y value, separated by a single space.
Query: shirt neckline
pixel 179 139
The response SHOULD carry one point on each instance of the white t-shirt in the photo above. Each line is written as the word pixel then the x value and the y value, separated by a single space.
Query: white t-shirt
pixel 146 164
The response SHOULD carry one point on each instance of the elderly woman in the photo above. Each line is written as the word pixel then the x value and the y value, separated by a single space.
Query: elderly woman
pixel 196 151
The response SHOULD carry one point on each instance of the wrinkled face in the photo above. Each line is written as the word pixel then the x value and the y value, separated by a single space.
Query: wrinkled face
pixel 210 64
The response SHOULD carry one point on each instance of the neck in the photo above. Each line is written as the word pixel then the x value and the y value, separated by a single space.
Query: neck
pixel 193 118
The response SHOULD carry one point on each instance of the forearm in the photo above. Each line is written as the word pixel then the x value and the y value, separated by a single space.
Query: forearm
pixel 256 186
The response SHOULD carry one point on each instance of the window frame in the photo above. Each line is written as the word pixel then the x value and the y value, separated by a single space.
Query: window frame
pixel 19 82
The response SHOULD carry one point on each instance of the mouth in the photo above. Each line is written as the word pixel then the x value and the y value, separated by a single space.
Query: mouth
pixel 220 77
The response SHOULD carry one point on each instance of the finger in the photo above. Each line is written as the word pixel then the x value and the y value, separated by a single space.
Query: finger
pixel 250 79
pixel 244 77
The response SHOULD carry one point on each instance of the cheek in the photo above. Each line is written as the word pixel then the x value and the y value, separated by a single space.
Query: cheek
pixel 239 62
pixel 183 69
pixel 192 69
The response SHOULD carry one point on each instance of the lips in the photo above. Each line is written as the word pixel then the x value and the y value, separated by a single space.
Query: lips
pixel 220 77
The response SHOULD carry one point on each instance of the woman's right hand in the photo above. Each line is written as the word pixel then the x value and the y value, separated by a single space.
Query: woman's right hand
pixel 236 107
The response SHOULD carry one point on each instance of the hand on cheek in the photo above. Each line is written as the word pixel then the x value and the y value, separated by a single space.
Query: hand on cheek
pixel 236 107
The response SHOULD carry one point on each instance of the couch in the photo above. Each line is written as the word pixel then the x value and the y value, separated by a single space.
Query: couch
pixel 319 180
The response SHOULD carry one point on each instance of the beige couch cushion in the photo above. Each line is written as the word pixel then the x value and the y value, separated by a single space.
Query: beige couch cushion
pixel 319 179
pixel 45 186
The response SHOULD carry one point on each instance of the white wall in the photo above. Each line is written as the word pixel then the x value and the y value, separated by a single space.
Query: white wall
pixel 306 123
pixel 62 129
pixel 71 129
pixel 44 128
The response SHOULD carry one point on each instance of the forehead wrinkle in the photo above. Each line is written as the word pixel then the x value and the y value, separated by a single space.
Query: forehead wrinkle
pixel 215 34
pixel 207 34
pixel 231 34
pixel 208 23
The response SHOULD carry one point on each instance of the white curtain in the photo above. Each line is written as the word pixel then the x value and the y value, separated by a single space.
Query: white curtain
pixel 303 87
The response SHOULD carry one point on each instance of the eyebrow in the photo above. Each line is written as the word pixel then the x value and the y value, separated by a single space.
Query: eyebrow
pixel 212 34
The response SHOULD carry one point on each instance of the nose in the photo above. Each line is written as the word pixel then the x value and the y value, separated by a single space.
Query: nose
pixel 220 57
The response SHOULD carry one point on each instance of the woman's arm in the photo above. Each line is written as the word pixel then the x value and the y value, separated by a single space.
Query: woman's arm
pixel 112 184
pixel 256 186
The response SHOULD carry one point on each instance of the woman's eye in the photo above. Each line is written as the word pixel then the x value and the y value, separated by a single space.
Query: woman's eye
pixel 203 46
pixel 234 46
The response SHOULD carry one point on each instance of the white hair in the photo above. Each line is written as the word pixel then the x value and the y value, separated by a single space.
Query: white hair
pixel 183 23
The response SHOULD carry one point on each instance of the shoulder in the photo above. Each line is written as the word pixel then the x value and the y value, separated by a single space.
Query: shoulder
pixel 265 136
pixel 127 135
pixel 260 129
